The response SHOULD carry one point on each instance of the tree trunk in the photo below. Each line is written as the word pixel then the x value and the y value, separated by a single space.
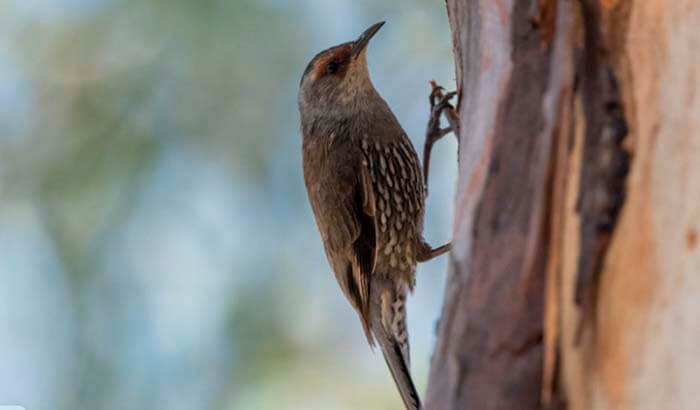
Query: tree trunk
pixel 575 272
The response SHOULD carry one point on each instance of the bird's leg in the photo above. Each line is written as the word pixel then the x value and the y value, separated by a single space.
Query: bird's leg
pixel 427 252
pixel 434 132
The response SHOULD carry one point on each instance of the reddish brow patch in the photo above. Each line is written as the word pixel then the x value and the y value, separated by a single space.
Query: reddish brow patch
pixel 340 55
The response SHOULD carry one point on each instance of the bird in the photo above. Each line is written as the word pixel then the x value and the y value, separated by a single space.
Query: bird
pixel 364 183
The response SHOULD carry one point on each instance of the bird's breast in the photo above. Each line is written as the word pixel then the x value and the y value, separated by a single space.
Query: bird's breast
pixel 398 194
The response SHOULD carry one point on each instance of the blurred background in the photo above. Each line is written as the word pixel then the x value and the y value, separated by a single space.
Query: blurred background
pixel 157 250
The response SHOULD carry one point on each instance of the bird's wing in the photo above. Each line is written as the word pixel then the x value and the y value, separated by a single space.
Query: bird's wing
pixel 361 249
pixel 343 203
pixel 364 248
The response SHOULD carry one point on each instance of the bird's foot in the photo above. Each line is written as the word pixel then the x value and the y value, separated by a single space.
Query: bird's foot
pixel 428 252
pixel 439 103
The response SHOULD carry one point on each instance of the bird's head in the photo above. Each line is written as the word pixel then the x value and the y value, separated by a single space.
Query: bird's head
pixel 338 78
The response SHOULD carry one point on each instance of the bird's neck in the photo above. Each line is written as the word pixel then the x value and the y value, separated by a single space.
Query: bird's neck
pixel 351 118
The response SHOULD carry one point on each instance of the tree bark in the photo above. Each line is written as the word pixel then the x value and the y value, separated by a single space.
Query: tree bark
pixel 575 272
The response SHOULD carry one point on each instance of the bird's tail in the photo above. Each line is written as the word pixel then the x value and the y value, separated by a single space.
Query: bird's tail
pixel 401 373
pixel 389 328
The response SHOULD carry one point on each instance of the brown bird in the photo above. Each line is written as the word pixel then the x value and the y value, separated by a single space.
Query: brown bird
pixel 366 190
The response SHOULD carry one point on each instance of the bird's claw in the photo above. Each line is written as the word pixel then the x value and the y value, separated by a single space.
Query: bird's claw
pixel 437 90
pixel 443 99
pixel 438 103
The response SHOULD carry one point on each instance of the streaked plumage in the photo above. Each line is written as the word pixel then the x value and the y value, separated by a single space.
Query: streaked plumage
pixel 365 187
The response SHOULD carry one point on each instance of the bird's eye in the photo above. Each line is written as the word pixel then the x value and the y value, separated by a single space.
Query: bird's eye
pixel 333 67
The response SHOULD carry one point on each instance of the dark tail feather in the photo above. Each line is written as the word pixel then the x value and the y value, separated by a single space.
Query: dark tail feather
pixel 400 372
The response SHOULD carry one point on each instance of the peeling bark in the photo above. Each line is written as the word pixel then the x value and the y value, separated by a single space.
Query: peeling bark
pixel 605 163
pixel 568 258
pixel 498 273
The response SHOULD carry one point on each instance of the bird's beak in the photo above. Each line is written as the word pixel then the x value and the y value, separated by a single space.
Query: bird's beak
pixel 362 41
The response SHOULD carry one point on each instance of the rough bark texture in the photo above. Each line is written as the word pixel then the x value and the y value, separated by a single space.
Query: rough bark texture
pixel 575 275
